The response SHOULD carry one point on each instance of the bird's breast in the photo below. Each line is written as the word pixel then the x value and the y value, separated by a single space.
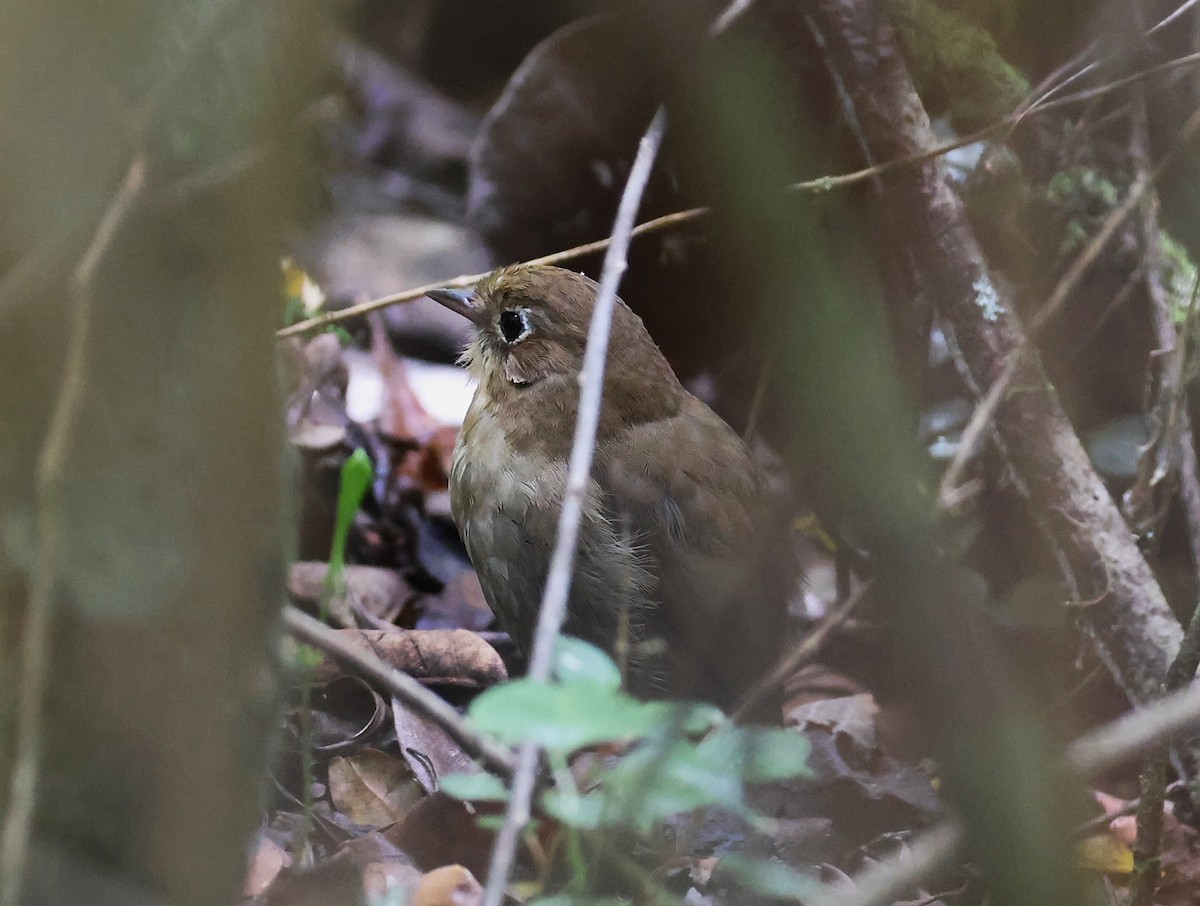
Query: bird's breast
pixel 489 475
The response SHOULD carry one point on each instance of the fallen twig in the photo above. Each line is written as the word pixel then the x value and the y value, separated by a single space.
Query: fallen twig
pixel 496 756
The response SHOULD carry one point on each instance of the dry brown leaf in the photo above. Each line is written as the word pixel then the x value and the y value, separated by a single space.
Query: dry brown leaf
pixel 428 749
pixel 441 831
pixel 380 592
pixel 450 657
pixel 852 715
pixel 373 788
pixel 403 417
pixel 450 885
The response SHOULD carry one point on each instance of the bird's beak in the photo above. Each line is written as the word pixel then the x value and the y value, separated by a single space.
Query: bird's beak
pixel 461 301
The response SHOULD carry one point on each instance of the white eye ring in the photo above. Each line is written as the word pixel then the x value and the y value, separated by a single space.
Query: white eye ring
pixel 514 325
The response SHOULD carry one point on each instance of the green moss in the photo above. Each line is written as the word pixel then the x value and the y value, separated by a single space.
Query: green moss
pixel 1083 197
pixel 1179 276
pixel 956 64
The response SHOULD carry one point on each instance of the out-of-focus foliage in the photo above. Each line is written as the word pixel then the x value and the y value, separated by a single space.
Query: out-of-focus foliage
pixel 957 63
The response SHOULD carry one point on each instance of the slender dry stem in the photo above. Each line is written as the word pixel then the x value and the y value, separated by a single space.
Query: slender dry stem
pixel 804 652
pixel 562 560
pixel 494 755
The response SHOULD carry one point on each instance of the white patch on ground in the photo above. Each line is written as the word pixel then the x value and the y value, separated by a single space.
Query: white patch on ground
pixel 444 390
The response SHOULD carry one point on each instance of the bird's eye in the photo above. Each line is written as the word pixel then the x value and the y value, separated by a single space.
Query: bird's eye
pixel 514 325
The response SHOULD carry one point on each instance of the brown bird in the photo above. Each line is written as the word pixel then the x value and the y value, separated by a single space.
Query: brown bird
pixel 679 568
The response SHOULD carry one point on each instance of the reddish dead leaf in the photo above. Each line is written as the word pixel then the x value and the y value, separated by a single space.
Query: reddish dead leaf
pixel 268 861
pixel 372 788
pixel 450 885
pixel 425 468
pixel 382 593
pixel 448 657
pixel 1122 827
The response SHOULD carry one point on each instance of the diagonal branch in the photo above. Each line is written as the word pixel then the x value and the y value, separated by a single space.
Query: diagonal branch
pixel 679 218
pixel 497 757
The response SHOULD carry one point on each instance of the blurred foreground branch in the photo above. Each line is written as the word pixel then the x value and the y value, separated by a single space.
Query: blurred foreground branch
pixel 1089 756
pixel 39 613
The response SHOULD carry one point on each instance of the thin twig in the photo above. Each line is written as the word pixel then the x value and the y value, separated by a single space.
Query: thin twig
pixel 1102 823
pixel 803 653
pixel 981 418
pixel 1113 744
pixel 679 218
pixel 39 612
pixel 562 560
pixel 398 683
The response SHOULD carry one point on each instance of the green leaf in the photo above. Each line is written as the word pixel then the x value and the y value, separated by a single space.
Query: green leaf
pixel 302 659
pixel 563 717
pixel 675 775
pixel 576 660
pixel 758 754
pixel 769 877
pixel 656 782
pixel 357 473
pixel 579 811
pixel 698 717
pixel 474 787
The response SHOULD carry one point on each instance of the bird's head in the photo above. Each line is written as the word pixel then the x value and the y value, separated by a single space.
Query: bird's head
pixel 531 324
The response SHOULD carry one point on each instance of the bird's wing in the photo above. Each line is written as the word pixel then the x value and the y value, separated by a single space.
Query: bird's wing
pixel 508 516
pixel 693 494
